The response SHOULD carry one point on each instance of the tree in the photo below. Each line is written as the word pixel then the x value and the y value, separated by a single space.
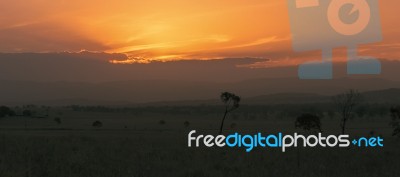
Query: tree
pixel 57 120
pixel 6 111
pixel 308 122
pixel 395 113
pixel 231 102
pixel 162 122
pixel 97 124
pixel 346 103
pixel 186 123
pixel 27 113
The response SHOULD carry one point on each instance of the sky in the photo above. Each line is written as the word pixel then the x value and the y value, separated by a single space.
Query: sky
pixel 169 29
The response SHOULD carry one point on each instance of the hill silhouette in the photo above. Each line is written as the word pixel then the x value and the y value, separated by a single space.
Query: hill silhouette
pixel 260 91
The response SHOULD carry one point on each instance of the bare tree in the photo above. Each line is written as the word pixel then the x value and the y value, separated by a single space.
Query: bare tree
pixel 345 103
pixel 231 102
pixel 395 113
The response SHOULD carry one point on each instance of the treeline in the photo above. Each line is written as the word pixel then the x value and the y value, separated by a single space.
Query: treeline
pixel 25 111
pixel 279 111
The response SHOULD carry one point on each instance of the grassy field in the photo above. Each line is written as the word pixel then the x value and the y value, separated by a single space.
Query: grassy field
pixel 152 145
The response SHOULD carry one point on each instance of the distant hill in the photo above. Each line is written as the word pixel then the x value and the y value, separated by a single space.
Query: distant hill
pixel 391 95
pixel 158 92
pixel 88 78
pixel 287 98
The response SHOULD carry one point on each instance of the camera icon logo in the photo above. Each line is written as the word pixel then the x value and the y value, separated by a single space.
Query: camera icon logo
pixel 326 24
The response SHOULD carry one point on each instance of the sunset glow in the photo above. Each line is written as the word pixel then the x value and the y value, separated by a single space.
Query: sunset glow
pixel 166 30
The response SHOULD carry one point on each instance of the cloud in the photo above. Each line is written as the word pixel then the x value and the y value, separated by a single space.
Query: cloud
pixel 258 42
pixel 210 39
pixel 35 36
pixel 165 30
pixel 143 47
pixel 18 25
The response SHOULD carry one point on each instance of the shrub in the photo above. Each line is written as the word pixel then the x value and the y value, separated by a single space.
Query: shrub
pixel 57 120
pixel 186 123
pixel 162 122
pixel 6 111
pixel 308 122
pixel 395 113
pixel 97 124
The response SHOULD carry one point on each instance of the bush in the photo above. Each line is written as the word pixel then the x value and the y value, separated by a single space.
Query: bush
pixel 162 122
pixel 308 122
pixel 186 123
pixel 6 111
pixel 57 120
pixel 395 113
pixel 27 113
pixel 97 124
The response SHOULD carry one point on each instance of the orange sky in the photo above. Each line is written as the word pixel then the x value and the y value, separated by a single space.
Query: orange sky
pixel 168 29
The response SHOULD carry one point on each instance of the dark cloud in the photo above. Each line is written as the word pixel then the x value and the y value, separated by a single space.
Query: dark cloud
pixel 87 66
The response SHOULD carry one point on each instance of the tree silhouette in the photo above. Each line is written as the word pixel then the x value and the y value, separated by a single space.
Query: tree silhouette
pixel 395 113
pixel 97 124
pixel 186 123
pixel 308 122
pixel 346 102
pixel 27 113
pixel 231 102
pixel 6 111
pixel 162 122
pixel 57 120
